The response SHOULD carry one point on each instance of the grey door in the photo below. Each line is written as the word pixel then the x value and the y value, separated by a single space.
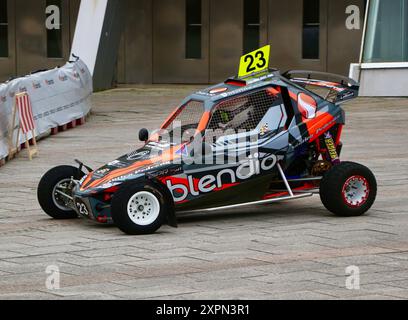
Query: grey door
pixel 298 34
pixel 33 39
pixel 180 41
pixel 222 39
pixel 343 44
pixel 229 22
pixel 226 38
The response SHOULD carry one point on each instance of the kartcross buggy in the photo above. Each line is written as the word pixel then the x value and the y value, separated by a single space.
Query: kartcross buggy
pixel 292 121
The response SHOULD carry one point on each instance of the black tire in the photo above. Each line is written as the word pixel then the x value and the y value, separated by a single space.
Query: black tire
pixel 154 220
pixel 335 190
pixel 46 188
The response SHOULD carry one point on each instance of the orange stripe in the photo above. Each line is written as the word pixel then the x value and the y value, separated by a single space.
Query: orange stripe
pixel 167 156
pixel 293 95
pixel 171 117
pixel 313 125
pixel 204 121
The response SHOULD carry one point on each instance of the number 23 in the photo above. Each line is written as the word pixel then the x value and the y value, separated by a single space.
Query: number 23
pixel 260 57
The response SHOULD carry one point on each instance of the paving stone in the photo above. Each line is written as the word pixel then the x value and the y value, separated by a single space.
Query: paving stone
pixel 292 250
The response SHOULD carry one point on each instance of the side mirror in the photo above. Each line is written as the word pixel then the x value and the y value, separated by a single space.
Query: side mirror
pixel 143 135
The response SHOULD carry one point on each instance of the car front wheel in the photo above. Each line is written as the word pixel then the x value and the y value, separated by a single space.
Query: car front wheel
pixel 139 209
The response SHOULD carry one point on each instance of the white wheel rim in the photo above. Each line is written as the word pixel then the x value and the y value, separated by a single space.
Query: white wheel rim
pixel 143 208
pixel 55 196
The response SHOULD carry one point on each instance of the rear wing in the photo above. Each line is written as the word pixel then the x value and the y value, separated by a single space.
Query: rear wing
pixel 333 87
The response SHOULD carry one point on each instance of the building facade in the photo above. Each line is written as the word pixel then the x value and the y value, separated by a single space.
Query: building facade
pixel 383 66
pixel 190 41
pixel 25 43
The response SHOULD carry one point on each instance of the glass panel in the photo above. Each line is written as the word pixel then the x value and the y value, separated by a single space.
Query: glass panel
pixel 311 29
pixel 3 29
pixel 193 29
pixel 54 36
pixel 387 32
pixel 251 25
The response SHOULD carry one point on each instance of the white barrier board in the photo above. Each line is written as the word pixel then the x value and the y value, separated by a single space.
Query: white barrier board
pixel 58 97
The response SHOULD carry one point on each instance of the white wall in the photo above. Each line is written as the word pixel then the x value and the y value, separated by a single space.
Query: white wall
pixel 88 31
pixel 381 79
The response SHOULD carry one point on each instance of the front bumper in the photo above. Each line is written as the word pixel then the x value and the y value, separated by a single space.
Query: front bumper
pixel 91 207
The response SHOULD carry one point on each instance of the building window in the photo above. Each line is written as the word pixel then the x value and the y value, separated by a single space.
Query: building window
pixel 311 29
pixel 54 29
pixel 251 25
pixel 4 50
pixel 193 29
pixel 386 38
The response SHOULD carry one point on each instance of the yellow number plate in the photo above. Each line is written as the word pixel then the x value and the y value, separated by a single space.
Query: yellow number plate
pixel 254 62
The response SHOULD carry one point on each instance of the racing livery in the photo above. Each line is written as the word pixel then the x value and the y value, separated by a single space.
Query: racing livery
pixel 248 141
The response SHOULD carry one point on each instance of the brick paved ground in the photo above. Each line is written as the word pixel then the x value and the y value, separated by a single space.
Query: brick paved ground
pixel 291 250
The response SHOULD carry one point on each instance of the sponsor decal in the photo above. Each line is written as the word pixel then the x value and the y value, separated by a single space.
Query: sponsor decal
pixel 303 141
pixel 151 167
pixel 331 147
pixel 235 92
pixel 346 95
pixel 101 173
pixel 168 172
pixel 137 155
pixel 202 93
pixel 133 174
pixel 328 85
pixel 328 125
pixel 63 78
pixel 181 188
pixel 260 79
pixel 117 164
pixel 36 85
pixel 264 129
pixel 49 82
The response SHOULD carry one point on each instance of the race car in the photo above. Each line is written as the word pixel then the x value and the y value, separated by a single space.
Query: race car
pixel 248 141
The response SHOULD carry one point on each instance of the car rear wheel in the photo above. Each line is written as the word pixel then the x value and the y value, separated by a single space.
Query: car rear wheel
pixel 348 189
pixel 139 209
pixel 52 191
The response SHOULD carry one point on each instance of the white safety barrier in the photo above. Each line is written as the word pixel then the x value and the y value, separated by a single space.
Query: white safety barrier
pixel 58 97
